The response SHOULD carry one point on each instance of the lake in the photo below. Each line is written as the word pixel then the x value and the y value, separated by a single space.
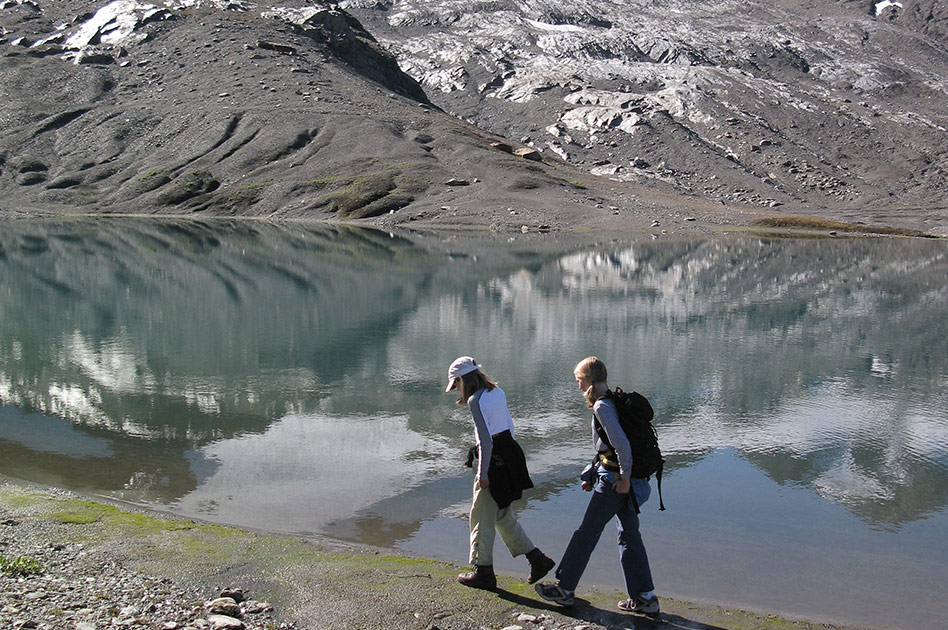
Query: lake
pixel 291 378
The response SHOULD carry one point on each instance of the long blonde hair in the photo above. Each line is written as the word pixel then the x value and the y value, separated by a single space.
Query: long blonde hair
pixel 471 382
pixel 593 370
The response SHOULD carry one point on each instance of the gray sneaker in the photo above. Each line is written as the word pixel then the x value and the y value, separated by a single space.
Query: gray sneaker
pixel 640 606
pixel 554 593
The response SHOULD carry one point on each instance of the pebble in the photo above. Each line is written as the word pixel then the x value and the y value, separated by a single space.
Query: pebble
pixel 223 622
pixel 253 607
pixel 224 606
pixel 235 594
pixel 128 611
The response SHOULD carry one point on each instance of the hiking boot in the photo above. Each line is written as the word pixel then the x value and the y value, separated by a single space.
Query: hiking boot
pixel 481 577
pixel 540 565
pixel 555 593
pixel 640 606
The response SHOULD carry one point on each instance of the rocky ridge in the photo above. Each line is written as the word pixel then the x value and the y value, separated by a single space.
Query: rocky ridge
pixel 834 106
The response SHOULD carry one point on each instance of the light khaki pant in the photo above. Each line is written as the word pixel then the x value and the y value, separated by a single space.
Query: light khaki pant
pixel 487 519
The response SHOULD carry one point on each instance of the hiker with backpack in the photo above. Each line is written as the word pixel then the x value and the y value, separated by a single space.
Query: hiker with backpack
pixel 616 492
pixel 500 477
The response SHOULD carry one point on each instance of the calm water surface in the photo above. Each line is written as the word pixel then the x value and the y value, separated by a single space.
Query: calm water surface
pixel 292 379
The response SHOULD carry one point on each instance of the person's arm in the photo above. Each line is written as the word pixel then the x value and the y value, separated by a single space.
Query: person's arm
pixel 485 444
pixel 609 420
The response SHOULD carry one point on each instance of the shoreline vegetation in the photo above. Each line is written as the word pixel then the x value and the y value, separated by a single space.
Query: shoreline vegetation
pixel 71 562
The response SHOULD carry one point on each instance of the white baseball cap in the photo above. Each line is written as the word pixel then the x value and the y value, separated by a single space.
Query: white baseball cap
pixel 460 367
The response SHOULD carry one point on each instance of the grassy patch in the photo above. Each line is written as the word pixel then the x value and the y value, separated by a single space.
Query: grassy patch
pixel 373 194
pixel 388 187
pixel 363 191
pixel 811 223
pixel 327 182
pixel 83 512
pixel 247 194
pixel 802 236
pixel 151 180
pixel 410 184
pixel 188 186
pixel 79 513
pixel 253 188
pixel 198 181
pixel 143 522
pixel 20 566
pixel 18 499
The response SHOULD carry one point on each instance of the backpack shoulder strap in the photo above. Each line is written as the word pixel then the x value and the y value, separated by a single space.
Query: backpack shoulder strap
pixel 600 430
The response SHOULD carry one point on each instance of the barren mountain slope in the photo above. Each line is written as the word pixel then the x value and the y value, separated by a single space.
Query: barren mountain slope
pixel 638 113
pixel 228 108
pixel 839 107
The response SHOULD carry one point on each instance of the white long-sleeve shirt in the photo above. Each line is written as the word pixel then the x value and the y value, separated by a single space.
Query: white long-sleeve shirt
pixel 491 416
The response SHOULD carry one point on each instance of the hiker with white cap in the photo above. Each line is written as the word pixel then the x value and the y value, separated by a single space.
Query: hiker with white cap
pixel 500 477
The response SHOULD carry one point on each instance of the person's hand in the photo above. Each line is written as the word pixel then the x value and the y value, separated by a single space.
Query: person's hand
pixel 483 483
pixel 622 486
pixel 587 486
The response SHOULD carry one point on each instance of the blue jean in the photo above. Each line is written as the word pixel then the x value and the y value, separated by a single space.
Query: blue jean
pixel 604 504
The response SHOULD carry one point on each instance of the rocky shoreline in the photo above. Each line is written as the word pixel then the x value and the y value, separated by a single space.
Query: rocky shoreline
pixel 49 581
pixel 85 589
pixel 70 563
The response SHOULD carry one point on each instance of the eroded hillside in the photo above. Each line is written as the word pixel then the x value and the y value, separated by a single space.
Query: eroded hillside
pixel 836 106
pixel 511 115
pixel 229 108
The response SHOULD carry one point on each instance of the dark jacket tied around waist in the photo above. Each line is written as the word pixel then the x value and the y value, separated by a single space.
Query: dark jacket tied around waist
pixel 507 472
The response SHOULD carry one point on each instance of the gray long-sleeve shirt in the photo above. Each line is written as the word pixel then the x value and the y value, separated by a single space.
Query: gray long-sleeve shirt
pixel 605 411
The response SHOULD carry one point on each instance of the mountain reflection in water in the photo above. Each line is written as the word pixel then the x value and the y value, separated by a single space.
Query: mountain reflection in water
pixel 291 378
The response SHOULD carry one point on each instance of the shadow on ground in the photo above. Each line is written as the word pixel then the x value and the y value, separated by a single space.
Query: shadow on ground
pixel 583 610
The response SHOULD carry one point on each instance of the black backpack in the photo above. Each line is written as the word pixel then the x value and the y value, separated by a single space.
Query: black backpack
pixel 635 416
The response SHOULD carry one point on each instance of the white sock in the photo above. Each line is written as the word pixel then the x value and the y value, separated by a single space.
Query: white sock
pixel 647 595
